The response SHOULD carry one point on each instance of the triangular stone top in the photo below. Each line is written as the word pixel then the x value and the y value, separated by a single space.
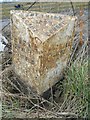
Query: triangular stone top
pixel 42 25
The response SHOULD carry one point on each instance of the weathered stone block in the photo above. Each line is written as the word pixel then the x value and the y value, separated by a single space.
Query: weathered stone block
pixel 41 46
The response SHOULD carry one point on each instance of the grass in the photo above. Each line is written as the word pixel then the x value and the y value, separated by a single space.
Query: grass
pixel 76 84
pixel 44 7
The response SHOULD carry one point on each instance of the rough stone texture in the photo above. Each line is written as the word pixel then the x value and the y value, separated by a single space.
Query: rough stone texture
pixel 41 45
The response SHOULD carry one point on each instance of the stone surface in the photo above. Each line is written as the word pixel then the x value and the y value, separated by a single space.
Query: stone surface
pixel 41 46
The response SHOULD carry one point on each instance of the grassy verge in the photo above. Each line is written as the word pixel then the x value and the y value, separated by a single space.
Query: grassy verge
pixel 76 87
